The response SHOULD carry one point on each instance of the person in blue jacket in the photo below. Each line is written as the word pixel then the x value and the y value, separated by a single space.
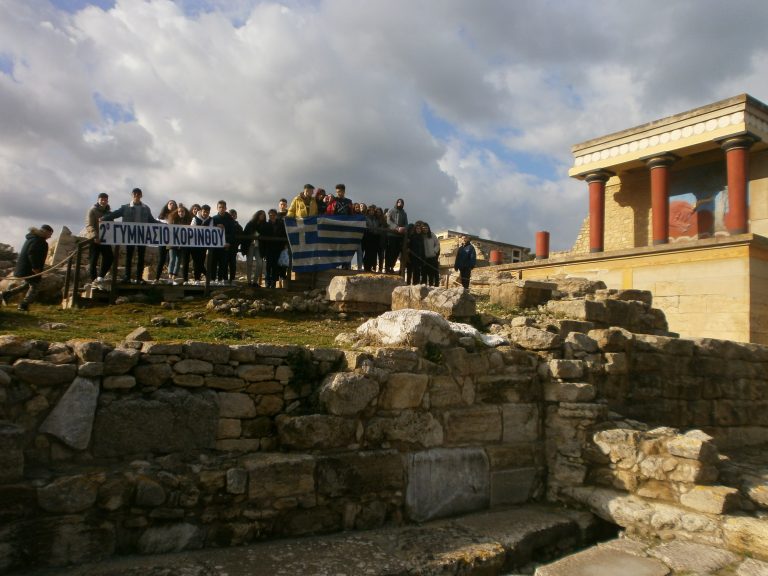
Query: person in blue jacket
pixel 466 258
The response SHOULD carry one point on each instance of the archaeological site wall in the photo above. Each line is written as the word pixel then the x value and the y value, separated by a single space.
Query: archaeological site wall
pixel 151 447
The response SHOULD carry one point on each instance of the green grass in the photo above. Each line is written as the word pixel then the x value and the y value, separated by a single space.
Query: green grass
pixel 113 323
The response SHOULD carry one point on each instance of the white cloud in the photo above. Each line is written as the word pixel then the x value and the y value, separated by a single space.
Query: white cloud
pixel 248 100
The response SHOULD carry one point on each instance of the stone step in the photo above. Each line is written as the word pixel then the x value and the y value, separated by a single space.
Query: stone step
pixel 485 544
pixel 628 557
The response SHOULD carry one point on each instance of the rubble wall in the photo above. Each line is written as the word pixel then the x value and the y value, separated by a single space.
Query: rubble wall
pixel 152 447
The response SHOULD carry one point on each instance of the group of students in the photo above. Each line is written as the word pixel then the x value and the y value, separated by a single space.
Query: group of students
pixel 263 240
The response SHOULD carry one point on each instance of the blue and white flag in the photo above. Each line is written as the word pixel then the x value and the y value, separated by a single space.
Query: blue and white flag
pixel 324 242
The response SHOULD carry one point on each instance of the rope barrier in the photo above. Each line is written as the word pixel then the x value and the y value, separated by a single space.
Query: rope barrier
pixel 64 261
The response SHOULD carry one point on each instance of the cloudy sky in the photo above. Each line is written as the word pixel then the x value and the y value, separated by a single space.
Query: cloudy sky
pixel 467 109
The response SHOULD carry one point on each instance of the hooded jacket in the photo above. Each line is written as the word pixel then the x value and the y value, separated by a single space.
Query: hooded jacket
pixel 92 220
pixel 33 253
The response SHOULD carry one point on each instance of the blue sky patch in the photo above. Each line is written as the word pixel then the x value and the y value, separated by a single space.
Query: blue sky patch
pixel 113 111
pixel 73 6
pixel 6 64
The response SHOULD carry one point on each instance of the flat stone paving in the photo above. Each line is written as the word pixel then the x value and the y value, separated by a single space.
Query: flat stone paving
pixel 485 544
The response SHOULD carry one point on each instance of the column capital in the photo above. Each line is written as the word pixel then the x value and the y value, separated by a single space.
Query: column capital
pixel 664 160
pixel 598 176
pixel 743 141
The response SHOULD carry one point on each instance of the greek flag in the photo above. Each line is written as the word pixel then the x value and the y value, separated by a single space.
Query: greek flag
pixel 324 242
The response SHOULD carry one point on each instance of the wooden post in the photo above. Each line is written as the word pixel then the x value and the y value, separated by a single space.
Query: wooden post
pixel 113 280
pixel 76 286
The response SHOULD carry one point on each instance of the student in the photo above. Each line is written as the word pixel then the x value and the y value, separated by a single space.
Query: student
pixel 179 256
pixel 340 204
pixel 397 222
pixel 234 246
pixel 223 220
pixel 202 218
pixel 29 265
pixel 466 258
pixel 135 211
pixel 431 270
pixel 251 249
pixel 304 204
pixel 98 251
pixel 163 251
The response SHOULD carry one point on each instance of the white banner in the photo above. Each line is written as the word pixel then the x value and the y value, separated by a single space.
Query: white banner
pixel 138 234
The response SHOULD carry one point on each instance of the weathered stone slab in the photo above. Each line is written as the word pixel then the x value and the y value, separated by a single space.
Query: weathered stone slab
pixel 692 557
pixel 192 366
pixel 520 423
pixel 213 353
pixel 315 431
pixel 366 288
pixel 88 350
pixel 512 486
pixel 711 499
pixel 747 536
pixel 348 393
pixel 41 373
pixel 415 328
pixel 15 346
pixel 71 420
pixel 361 473
pixel 152 375
pixel 520 293
pixel 168 421
pixel 472 424
pixel 68 494
pixel 120 361
pixel 236 405
pixel 403 390
pixel 604 562
pixel 444 482
pixel 408 427
pixel 452 302
pixel 274 476
pixel 256 372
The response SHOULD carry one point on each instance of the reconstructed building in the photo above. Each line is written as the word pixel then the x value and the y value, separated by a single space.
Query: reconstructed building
pixel 679 206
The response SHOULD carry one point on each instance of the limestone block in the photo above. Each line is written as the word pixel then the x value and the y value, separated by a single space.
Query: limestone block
pixel 283 374
pixel 747 536
pixel 167 421
pixel 153 375
pixel 243 353
pixel 472 424
pixel 414 328
pixel 711 499
pixel 265 387
pixel 620 445
pixel 237 480
pixel 88 350
pixel 140 334
pixel 256 372
pixel 189 380
pixel 602 561
pixel 192 366
pixel 15 346
pixel 612 339
pixel 360 474
pixel 229 428
pixel 532 338
pixel 695 445
pixel 574 327
pixel 403 390
pixel 364 288
pixel 41 373
pixel 315 431
pixel 513 486
pixel 68 494
pixel 171 538
pixel 213 353
pixel 520 423
pixel 445 482
pixel 11 452
pixel 120 361
pixel 149 493
pixel 408 427
pixel 238 444
pixel 71 420
pixel 347 393
pixel 122 382
pixel 224 383
pixel 269 405
pixel 273 476
pixel 236 405
pixel 510 387
pixel 444 391
pixel 566 369
pixel 582 410
pixel 584 310
pixel 569 392
pixel 452 302
pixel 752 567
pixel 520 293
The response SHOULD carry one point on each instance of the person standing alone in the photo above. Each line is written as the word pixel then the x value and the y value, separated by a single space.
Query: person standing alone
pixel 466 258
pixel 30 265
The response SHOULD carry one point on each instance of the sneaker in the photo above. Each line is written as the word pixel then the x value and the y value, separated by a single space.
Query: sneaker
pixel 23 306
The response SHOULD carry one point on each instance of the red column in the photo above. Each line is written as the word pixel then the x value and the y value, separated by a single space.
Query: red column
pixel 596 181
pixel 542 245
pixel 737 162
pixel 659 167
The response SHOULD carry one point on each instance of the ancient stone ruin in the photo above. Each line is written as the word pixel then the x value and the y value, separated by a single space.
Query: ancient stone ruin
pixel 589 402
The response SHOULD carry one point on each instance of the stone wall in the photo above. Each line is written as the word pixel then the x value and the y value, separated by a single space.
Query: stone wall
pixel 151 447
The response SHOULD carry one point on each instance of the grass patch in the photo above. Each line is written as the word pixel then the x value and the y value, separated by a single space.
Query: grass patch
pixel 113 323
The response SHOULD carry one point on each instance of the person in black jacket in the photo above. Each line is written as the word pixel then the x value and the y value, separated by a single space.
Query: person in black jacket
pixel 466 259
pixel 30 265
